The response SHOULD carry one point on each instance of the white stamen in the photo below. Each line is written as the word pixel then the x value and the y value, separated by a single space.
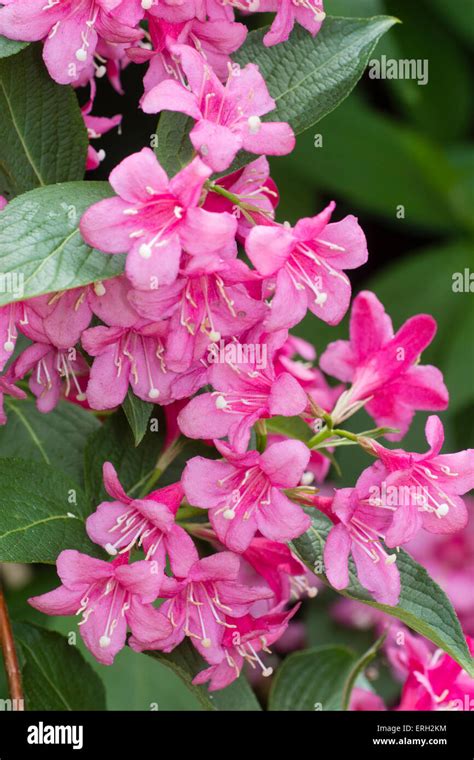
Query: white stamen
pixel 146 4
pixel 221 403
pixel 104 642
pixel 390 559
pixel 178 212
pixel 145 251
pixel 100 72
pixel 307 478
pixel 228 514
pixel 99 289
pixel 206 643
pixel 214 335
pixel 254 124
pixel 442 510
pixel 110 549
pixel 9 346
pixel 153 393
pixel 81 54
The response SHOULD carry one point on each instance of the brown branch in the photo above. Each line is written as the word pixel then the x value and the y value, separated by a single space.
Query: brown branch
pixel 7 645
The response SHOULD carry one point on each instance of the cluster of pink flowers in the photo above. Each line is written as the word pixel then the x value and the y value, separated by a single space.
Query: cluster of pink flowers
pixel 191 322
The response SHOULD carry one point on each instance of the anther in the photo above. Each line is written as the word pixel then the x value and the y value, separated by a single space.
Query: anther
pixel 145 251
pixel 81 54
pixel 254 124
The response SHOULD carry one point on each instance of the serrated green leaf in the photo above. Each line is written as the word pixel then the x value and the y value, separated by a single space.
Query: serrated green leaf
pixel 423 605
pixel 114 442
pixel 57 439
pixel 55 675
pixel 41 243
pixel 11 47
pixel 42 512
pixel 312 680
pixel 174 149
pixel 187 663
pixel 138 413
pixel 43 138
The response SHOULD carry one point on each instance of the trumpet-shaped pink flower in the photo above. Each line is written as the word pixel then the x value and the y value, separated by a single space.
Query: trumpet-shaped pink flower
pixel 149 522
pixel 202 606
pixel 71 29
pixel 130 352
pixel 358 532
pixel 244 642
pixel 227 116
pixel 244 493
pixel 307 262
pixel 383 367
pixel 434 681
pixel 245 392
pixel 109 595
pixel 208 303
pixel 154 218
pixel 310 14
pixel 428 486
pixel 215 40
pixel 285 574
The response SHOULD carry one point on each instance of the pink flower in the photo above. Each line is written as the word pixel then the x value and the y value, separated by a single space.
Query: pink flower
pixel 207 303
pixel 62 316
pixel 358 532
pixel 71 29
pixel 11 316
pixel 245 493
pixel 154 218
pixel 8 388
pixel 215 40
pixel 363 700
pixel 285 574
pixel 109 595
pixel 383 367
pixel 129 352
pixel 148 522
pixel 420 490
pixel 202 607
pixel 434 681
pixel 227 116
pixel 245 392
pixel 3 202
pixel 449 559
pixel 307 262
pixel 243 641
pixel 309 14
pixel 257 193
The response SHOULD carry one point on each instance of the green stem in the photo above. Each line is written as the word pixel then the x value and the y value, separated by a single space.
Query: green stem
pixel 164 461
pixel 324 434
pixel 261 435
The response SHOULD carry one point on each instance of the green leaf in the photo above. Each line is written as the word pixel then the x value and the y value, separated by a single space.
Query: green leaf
pixel 459 16
pixel 42 512
pixel 358 670
pixel 292 427
pixel 11 47
pixel 57 438
pixel 114 442
pixel 378 165
pixel 423 606
pixel 40 240
pixel 138 413
pixel 312 680
pixel 55 675
pixel 307 77
pixel 43 138
pixel 187 663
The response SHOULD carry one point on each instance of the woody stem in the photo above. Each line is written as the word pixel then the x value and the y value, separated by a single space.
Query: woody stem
pixel 10 659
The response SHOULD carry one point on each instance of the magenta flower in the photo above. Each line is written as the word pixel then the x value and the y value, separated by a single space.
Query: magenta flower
pixel 244 493
pixel 227 116
pixel 154 218
pixel 383 367
pixel 243 642
pixel 426 487
pixel 307 262
pixel 434 681
pixel 109 595
pixel 149 523
pixel 310 14
pixel 96 127
pixel 208 303
pixel 358 532
pixel 63 317
pixel 215 40
pixel 244 393
pixel 71 29
pixel 285 574
pixel 202 606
